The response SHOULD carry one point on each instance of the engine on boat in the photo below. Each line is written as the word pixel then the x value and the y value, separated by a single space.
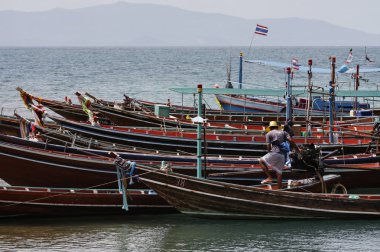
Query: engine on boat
pixel 309 159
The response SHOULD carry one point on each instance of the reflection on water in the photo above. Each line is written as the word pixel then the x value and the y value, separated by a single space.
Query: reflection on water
pixel 178 232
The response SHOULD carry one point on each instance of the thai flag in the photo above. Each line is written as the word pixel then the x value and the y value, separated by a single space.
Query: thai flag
pixel 349 58
pixel 295 65
pixel 261 30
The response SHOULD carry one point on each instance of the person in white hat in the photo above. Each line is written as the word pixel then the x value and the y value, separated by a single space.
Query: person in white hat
pixel 275 158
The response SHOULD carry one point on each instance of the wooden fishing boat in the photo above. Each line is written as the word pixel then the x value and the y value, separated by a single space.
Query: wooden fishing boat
pixel 18 201
pixel 67 110
pixel 136 118
pixel 118 116
pixel 167 143
pixel 211 162
pixel 9 126
pixel 161 142
pixel 75 112
pixel 48 202
pixel 137 154
pixel 62 166
pixel 355 136
pixel 359 134
pixel 205 198
pixel 27 166
pixel 53 134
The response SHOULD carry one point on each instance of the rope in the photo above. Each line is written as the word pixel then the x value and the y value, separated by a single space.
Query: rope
pixel 323 184
pixel 339 185
pixel 59 194
pixel 250 45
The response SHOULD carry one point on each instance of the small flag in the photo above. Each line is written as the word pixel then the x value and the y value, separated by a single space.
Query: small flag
pixel 349 58
pixel 295 65
pixel 261 30
pixel 368 59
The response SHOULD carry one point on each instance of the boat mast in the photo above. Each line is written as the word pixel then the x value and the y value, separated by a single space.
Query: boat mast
pixel 310 90
pixel 356 87
pixel 289 96
pixel 199 132
pixel 241 70
pixel 332 98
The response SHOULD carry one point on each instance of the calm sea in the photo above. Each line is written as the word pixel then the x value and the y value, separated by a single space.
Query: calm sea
pixel 148 73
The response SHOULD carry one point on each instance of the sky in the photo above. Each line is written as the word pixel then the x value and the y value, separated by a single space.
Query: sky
pixel 360 15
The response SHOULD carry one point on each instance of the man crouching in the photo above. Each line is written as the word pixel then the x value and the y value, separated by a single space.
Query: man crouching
pixel 277 152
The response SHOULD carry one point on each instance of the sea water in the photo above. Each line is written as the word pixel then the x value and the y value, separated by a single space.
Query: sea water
pixel 148 73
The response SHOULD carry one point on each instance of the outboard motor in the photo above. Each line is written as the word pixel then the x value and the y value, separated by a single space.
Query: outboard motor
pixel 309 159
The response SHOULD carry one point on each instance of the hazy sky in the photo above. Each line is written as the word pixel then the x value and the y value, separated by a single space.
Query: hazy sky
pixel 361 15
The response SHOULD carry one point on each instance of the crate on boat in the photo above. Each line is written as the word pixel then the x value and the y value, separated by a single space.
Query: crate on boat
pixel 161 110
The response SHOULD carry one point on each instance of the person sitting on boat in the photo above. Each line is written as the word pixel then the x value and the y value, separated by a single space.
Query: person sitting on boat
pixel 275 158
pixel 288 127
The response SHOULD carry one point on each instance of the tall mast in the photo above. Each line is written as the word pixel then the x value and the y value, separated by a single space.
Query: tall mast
pixel 289 96
pixel 310 90
pixel 199 132
pixel 332 97
pixel 241 70
pixel 357 76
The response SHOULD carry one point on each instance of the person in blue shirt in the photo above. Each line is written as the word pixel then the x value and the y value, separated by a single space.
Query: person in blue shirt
pixel 276 156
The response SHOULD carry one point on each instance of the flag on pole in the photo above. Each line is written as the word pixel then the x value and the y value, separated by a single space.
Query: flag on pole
pixel 349 58
pixel 261 30
pixel 295 65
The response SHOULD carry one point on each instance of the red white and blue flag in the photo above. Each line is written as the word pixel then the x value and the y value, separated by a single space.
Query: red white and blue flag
pixel 295 65
pixel 349 58
pixel 261 30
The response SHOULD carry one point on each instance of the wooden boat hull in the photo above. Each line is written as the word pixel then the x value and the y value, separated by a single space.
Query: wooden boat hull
pixel 71 112
pixel 229 102
pixel 9 126
pixel 79 115
pixel 47 202
pixel 28 163
pixel 246 148
pixel 75 112
pixel 57 136
pixel 239 103
pixel 157 156
pixel 199 197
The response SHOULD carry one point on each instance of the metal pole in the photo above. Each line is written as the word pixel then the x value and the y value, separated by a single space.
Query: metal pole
pixel 309 87
pixel 241 70
pixel 331 98
pixel 289 96
pixel 199 133
pixel 204 143
pixel 357 76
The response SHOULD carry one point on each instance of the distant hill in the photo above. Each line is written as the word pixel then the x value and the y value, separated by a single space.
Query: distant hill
pixel 127 24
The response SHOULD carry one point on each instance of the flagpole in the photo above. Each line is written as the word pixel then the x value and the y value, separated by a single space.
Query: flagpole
pixel 250 45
